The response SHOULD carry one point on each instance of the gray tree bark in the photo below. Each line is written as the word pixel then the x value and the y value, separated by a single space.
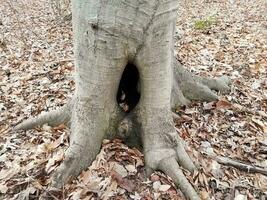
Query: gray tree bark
pixel 107 36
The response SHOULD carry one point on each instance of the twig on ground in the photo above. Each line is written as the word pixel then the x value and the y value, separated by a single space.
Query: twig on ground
pixel 240 165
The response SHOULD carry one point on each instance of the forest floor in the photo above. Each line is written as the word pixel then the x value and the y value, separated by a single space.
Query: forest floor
pixel 213 38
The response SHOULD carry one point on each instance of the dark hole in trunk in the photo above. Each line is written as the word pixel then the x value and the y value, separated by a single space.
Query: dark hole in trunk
pixel 128 93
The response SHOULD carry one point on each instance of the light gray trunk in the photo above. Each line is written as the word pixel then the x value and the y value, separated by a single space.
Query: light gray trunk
pixel 108 35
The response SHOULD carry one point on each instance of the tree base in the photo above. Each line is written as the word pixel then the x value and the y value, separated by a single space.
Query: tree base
pixel 150 130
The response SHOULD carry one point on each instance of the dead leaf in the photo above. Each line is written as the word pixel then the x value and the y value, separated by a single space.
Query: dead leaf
pixel 240 197
pixel 60 127
pixel 56 158
pixel 223 104
pixel 123 182
pixel 131 169
pixel 56 143
pixel 120 170
pixel 164 188
pixel 3 188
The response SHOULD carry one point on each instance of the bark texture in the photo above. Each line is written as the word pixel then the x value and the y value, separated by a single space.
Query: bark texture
pixel 107 36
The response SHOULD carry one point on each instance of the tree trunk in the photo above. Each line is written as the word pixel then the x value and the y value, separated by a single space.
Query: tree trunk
pixel 108 36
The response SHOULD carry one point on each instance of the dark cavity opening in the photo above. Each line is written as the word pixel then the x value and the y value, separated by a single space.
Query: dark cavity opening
pixel 128 94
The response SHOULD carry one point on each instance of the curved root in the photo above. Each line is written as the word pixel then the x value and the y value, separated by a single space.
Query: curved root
pixel 52 118
pixel 170 167
pixel 182 156
pixel 74 162
pixel 199 93
pixel 187 87
pixel 177 96
pixel 219 84
pixel 166 159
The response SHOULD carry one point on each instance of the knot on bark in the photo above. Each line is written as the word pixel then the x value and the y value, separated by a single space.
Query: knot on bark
pixel 94 26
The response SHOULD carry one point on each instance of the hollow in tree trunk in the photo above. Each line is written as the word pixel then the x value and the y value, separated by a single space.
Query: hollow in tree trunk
pixel 124 55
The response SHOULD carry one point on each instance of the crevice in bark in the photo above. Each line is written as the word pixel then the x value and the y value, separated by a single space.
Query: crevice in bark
pixel 128 94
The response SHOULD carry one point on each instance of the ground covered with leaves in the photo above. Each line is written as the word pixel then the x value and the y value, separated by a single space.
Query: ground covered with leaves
pixel 213 38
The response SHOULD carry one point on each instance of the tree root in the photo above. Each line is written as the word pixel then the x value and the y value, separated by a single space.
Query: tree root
pixel 172 169
pixel 52 118
pixel 182 156
pixel 77 158
pixel 164 149
pixel 88 129
pixel 167 158
pixel 188 87
pixel 239 165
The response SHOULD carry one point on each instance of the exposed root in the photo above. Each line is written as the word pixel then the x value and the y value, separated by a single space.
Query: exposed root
pixel 178 98
pixel 189 87
pixel 175 116
pixel 219 84
pixel 127 127
pixel 52 118
pixel 87 133
pixel 199 93
pixel 240 165
pixel 164 149
pixel 75 161
pixel 183 158
pixel 170 167
pixel 165 159
pixel 78 157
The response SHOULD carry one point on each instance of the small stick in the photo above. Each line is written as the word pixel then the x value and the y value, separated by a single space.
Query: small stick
pixel 239 165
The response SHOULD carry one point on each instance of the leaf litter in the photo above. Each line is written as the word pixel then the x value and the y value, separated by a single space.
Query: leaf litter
pixel 36 59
